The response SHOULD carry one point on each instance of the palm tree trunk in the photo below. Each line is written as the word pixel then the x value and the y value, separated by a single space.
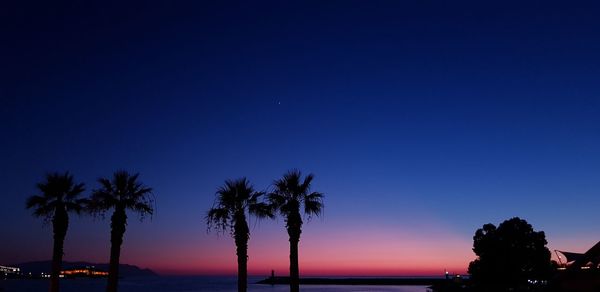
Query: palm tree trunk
pixel 294 269
pixel 242 259
pixel 60 224
pixel 118 223
pixel 241 243
pixel 294 228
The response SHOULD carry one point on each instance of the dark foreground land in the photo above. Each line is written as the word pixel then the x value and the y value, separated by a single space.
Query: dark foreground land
pixel 356 281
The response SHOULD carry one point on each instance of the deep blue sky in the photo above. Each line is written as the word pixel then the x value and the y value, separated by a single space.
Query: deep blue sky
pixel 415 111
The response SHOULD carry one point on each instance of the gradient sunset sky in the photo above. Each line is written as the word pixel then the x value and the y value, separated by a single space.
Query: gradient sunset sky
pixel 421 120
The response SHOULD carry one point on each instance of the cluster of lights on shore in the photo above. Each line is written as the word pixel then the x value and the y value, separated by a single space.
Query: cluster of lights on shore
pixel 89 271
pixel 46 275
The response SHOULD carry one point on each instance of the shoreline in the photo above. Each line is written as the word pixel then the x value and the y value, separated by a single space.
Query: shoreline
pixel 417 281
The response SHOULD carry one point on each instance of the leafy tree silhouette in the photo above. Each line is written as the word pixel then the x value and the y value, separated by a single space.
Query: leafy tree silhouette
pixel 59 196
pixel 290 193
pixel 234 199
pixel 510 257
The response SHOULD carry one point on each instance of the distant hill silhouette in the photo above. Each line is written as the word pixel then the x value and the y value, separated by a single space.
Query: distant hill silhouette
pixel 124 270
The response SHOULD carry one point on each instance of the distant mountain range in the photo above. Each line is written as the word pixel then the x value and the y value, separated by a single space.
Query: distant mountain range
pixel 45 267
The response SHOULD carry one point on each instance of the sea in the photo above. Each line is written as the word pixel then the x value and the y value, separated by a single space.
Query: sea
pixel 185 284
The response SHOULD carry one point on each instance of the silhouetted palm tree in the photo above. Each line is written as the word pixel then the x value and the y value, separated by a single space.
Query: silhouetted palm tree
pixel 59 196
pixel 121 193
pixel 234 200
pixel 290 194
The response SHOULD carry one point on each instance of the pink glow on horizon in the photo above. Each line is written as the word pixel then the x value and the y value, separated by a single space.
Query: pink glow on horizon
pixel 332 249
pixel 365 251
pixel 369 251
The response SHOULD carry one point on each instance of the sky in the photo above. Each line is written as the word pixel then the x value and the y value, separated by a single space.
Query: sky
pixel 421 121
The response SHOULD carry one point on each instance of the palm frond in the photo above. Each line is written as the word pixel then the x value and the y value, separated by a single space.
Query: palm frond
pixel 101 201
pixel 58 191
pixel 143 208
pixel 120 180
pixel 45 212
pixel 253 199
pixel 313 204
pixel 276 199
pixel 141 191
pixel 106 185
pixel 291 191
pixel 261 210
pixel 35 201
pixel 233 199
pixel 77 205
pixel 218 218
pixel 74 191
pixel 43 188
pixel 40 206
pixel 123 190
pixel 305 186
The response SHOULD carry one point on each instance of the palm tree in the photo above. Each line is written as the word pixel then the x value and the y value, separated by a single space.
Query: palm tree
pixel 59 196
pixel 235 199
pixel 290 193
pixel 121 193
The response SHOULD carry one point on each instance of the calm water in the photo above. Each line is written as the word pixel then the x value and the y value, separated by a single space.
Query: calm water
pixel 188 284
